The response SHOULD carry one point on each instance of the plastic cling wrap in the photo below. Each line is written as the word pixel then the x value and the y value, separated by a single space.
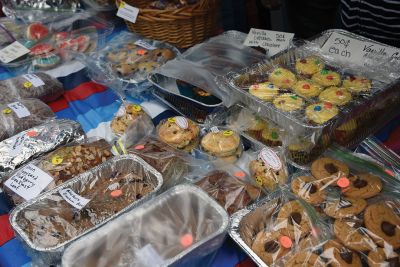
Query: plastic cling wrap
pixel 156 233
pixel 36 85
pixel 62 165
pixel 275 228
pixel 35 142
pixel 53 220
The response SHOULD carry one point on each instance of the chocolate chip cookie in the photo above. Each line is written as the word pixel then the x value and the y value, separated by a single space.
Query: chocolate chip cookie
pixel 383 257
pixel 305 259
pixel 363 186
pixel 337 255
pixel 267 246
pixel 329 170
pixel 309 189
pixel 265 176
pixel 351 233
pixel 293 221
pixel 381 220
pixel 344 207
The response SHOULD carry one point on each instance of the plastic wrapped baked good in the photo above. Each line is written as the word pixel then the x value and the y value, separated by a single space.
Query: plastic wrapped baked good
pixel 275 228
pixel 232 192
pixel 35 142
pixel 35 85
pixel 53 220
pixel 21 115
pixel 62 165
pixel 163 235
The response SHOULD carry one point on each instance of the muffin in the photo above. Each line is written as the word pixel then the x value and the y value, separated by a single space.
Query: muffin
pixel 299 152
pixel 357 84
pixel 264 91
pixel 307 89
pixel 282 78
pixel 256 126
pixel 288 102
pixel 321 112
pixel 326 78
pixel 271 137
pixel 309 65
pixel 345 132
pixel 179 132
pixel 225 145
pixel 335 95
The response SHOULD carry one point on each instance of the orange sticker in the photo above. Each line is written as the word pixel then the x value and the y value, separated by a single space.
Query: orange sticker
pixel 391 173
pixel 139 147
pixel 240 174
pixel 285 241
pixel 343 182
pixel 141 52
pixel 186 240
pixel 31 133
pixel 116 193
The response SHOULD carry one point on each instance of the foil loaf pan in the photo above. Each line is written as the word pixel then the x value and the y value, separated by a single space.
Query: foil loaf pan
pixel 56 5
pixel 50 255
pixel 138 238
pixel 36 141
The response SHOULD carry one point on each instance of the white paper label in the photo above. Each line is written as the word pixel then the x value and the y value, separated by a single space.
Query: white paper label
pixel 348 49
pixel 148 256
pixel 181 122
pixel 145 45
pixel 73 198
pixel 20 110
pixel 272 41
pixel 17 144
pixel 214 129
pixel 34 80
pixel 29 182
pixel 127 12
pixel 270 158
pixel 12 52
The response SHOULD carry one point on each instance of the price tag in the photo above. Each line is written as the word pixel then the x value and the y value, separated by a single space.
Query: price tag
pixel 16 146
pixel 270 158
pixel 145 45
pixel 347 49
pixel 127 12
pixel 272 41
pixel 34 80
pixel 19 109
pixel 29 182
pixel 73 198
pixel 12 52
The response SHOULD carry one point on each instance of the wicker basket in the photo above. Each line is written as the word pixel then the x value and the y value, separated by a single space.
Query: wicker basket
pixel 183 27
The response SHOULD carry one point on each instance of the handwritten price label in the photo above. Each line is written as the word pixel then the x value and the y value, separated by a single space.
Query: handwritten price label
pixel 272 41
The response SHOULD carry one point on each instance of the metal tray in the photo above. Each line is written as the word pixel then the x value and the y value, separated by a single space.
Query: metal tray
pixel 126 163
pixel 135 231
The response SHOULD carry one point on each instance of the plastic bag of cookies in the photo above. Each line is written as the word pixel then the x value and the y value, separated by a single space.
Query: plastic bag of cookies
pixel 36 141
pixel 61 165
pixel 21 115
pixel 275 228
pixel 230 187
pixel 35 85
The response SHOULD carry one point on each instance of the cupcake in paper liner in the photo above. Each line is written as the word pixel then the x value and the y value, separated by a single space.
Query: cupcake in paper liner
pixel 300 152
pixel 179 132
pixel 271 137
pixel 222 144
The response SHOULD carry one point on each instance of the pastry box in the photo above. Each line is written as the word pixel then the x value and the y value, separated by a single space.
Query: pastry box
pixel 157 233
pixel 317 109
pixel 50 222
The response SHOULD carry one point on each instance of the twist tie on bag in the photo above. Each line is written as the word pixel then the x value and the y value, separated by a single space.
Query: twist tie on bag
pixel 119 148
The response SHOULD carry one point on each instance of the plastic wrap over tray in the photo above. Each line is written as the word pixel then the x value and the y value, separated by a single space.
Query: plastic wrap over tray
pixel 50 222
pixel 35 142
pixel 156 233
pixel 36 85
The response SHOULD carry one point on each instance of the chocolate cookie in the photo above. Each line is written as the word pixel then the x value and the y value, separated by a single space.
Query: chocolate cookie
pixel 305 259
pixel 328 170
pixel 337 255
pixel 293 221
pixel 309 189
pixel 344 207
pixel 267 246
pixel 353 235
pixel 363 186
pixel 381 220
pixel 383 257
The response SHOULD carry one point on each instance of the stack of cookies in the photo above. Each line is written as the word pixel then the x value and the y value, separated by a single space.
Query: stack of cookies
pixel 225 145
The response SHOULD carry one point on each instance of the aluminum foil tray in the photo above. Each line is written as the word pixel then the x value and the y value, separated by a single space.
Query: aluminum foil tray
pixel 51 200
pixel 152 234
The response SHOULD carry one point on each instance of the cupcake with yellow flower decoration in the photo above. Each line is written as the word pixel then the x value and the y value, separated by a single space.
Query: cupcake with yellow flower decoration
pixel 335 95
pixel 288 102
pixel 307 89
pixel 282 78
pixel 327 78
pixel 309 65
pixel 357 84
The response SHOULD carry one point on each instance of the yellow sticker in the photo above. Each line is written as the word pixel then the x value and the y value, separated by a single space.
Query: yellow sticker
pixel 228 133
pixel 7 111
pixel 137 108
pixel 122 5
pixel 259 181
pixel 172 119
pixel 28 84
pixel 56 160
